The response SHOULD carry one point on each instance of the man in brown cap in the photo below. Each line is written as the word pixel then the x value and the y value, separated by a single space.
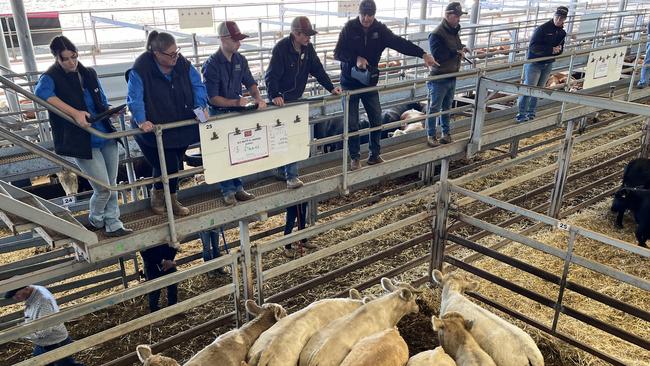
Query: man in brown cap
pixel 224 73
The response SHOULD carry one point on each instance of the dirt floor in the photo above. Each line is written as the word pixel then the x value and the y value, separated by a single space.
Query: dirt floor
pixel 415 329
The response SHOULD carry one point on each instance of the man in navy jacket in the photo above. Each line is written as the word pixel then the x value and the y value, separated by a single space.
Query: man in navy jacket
pixel 547 40
pixel 361 43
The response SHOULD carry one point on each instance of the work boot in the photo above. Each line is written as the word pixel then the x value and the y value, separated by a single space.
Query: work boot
pixel 375 160
pixel 229 199
pixel 307 245
pixel 446 139
pixel 432 141
pixel 355 164
pixel 244 196
pixel 294 183
pixel 179 210
pixel 157 201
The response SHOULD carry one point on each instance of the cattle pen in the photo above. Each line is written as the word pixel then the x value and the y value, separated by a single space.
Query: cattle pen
pixel 523 207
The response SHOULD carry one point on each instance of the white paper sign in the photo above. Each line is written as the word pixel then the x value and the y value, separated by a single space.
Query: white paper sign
pixel 190 18
pixel 68 200
pixel 279 139
pixel 248 145
pixel 348 6
pixel 604 66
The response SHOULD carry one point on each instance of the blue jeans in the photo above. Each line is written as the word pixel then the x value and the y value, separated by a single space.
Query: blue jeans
pixel 370 102
pixel 442 96
pixel 68 361
pixel 289 171
pixel 210 241
pixel 535 75
pixel 230 186
pixel 644 67
pixel 103 208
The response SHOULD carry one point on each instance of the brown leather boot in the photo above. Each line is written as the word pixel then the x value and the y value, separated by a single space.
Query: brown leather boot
pixel 179 209
pixel 157 201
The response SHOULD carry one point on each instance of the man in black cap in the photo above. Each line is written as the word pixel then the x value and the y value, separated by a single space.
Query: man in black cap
pixel 448 50
pixel 292 61
pixel 547 40
pixel 361 43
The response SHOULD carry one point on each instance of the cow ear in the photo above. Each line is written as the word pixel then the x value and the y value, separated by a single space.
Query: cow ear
pixel 405 294
pixel 252 307
pixel 437 276
pixel 437 324
pixel 144 352
pixel 367 299
pixel 387 284
pixel 471 285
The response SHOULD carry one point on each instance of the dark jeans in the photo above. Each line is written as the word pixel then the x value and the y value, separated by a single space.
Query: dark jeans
pixel 210 241
pixel 68 361
pixel 370 102
pixel 153 271
pixel 298 212
pixel 173 159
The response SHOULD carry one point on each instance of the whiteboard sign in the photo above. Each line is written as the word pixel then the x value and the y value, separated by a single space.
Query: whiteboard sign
pixel 604 66
pixel 195 18
pixel 348 6
pixel 246 143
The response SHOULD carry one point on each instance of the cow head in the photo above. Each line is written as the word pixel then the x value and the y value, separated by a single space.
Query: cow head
pixel 147 357
pixel 454 281
pixel 270 309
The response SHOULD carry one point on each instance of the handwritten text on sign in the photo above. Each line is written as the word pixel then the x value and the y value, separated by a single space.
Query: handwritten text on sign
pixel 248 145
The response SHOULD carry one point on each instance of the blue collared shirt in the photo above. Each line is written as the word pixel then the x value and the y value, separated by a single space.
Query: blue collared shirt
pixel 135 93
pixel 45 89
pixel 225 78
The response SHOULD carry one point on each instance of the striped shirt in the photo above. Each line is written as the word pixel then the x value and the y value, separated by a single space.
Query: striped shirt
pixel 39 304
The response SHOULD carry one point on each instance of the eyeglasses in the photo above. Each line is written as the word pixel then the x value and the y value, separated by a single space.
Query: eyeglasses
pixel 173 54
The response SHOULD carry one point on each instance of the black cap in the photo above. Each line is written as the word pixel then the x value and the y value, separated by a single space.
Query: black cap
pixel 11 293
pixel 455 8
pixel 562 11
pixel 367 7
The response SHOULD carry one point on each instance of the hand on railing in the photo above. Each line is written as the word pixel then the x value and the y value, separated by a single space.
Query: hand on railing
pixel 261 104
pixel 337 91
pixel 146 126
pixel 278 101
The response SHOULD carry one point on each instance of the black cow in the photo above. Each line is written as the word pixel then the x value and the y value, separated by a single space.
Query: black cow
pixel 636 175
pixel 636 200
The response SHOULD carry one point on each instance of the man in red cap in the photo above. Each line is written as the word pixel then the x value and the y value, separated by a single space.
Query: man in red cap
pixel 224 73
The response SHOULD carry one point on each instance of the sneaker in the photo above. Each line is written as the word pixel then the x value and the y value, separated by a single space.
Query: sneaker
pixel 229 200
pixel 294 183
pixel 432 141
pixel 244 196
pixel 446 139
pixel 641 85
pixel 530 117
pixel 355 164
pixel 375 160
pixel 521 118
pixel 119 232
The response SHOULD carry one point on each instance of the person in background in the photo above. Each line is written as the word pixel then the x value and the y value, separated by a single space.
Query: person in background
pixel 547 40
pixel 159 261
pixel 646 62
pixel 164 87
pixel 39 303
pixel 224 73
pixel 448 50
pixel 292 61
pixel 210 242
pixel 361 43
pixel 76 90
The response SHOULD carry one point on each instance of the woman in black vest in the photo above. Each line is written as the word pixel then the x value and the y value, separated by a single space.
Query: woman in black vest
pixel 164 87
pixel 76 90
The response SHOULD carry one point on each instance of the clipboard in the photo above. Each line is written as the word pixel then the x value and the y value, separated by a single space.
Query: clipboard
pixel 105 114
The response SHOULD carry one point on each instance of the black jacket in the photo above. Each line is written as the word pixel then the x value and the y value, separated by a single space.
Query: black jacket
pixel 354 41
pixel 167 101
pixel 545 37
pixel 288 71
pixel 153 257
pixel 69 139
pixel 445 44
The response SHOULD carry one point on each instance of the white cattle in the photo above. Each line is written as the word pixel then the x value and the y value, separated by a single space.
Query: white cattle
pixel 457 341
pixel 434 357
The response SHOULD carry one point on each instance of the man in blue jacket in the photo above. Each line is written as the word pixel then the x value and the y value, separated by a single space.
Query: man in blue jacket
pixel 292 61
pixel 646 61
pixel 361 43
pixel 547 40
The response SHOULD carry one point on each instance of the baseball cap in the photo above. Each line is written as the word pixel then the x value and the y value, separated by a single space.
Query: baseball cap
pixel 302 24
pixel 455 8
pixel 367 7
pixel 562 11
pixel 230 29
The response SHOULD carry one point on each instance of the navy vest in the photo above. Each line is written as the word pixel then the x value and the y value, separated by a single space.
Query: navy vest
pixel 69 139
pixel 167 101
